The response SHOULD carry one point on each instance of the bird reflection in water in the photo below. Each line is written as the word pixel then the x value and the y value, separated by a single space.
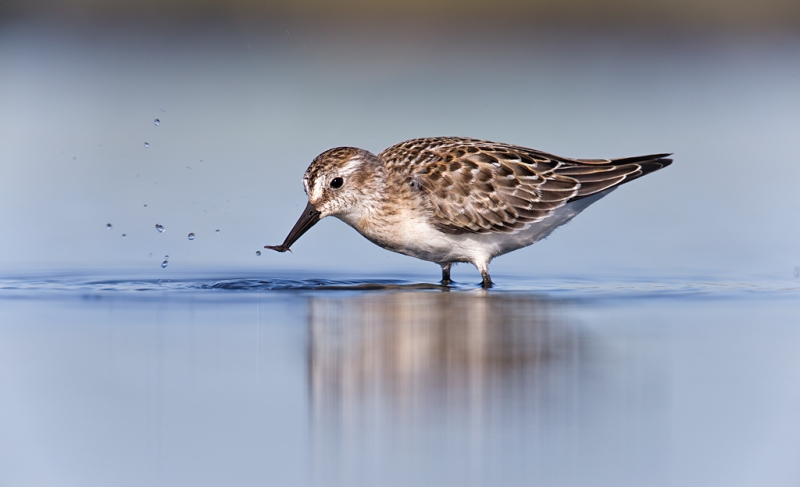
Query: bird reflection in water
pixel 389 369
pixel 414 348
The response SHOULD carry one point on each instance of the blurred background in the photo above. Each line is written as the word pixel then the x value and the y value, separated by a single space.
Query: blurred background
pixel 199 118
pixel 202 116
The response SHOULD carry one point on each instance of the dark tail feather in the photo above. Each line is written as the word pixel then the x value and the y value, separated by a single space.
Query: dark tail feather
pixel 626 170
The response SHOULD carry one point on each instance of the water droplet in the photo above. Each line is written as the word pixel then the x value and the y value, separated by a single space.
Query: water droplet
pixel 217 231
pixel 157 122
pixel 166 257
pixel 258 253
pixel 164 264
pixel 188 167
pixel 145 206
pixel 74 158
pixel 124 235
pixel 150 254
pixel 160 228
pixel 797 272
pixel 146 145
pixel 191 236
pixel 108 226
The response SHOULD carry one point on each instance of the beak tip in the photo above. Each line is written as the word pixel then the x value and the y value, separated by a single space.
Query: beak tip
pixel 277 248
pixel 307 220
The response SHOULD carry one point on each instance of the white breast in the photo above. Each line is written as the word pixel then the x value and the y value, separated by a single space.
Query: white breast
pixel 411 233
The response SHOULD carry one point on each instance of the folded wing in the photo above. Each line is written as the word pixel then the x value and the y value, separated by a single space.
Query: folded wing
pixel 474 186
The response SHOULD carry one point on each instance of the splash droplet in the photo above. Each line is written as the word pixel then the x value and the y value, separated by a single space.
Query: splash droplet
pixel 156 122
pixel 191 236
pixel 258 253
pixel 108 226
pixel 160 228
pixel 164 264
pixel 146 145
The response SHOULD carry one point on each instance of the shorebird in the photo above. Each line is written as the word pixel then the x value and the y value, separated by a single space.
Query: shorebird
pixel 448 199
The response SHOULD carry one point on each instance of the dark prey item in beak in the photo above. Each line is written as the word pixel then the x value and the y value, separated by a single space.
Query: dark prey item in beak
pixel 307 220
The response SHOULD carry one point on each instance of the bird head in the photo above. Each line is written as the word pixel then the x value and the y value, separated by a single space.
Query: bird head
pixel 339 182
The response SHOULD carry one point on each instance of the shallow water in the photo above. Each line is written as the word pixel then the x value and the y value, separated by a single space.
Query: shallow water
pixel 352 381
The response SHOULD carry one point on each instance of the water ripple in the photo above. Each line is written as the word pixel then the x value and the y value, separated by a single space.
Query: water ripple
pixel 234 284
pixel 562 288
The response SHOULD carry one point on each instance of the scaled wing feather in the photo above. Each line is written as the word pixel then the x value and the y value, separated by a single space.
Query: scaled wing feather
pixel 475 186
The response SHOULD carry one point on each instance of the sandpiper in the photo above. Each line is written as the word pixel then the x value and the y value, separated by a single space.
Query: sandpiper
pixel 450 199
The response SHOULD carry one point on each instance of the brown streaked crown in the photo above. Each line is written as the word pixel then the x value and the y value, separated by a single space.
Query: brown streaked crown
pixel 330 160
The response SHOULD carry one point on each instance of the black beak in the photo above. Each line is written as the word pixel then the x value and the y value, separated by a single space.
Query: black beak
pixel 307 220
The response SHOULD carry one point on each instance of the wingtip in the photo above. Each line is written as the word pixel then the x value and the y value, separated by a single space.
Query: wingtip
pixel 648 158
pixel 664 159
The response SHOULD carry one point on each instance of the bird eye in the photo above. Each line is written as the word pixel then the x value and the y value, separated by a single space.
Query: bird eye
pixel 337 183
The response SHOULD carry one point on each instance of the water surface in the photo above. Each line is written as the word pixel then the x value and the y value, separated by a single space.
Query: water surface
pixel 351 381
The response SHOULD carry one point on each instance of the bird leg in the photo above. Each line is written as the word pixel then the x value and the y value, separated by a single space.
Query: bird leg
pixel 446 274
pixel 483 267
pixel 487 281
